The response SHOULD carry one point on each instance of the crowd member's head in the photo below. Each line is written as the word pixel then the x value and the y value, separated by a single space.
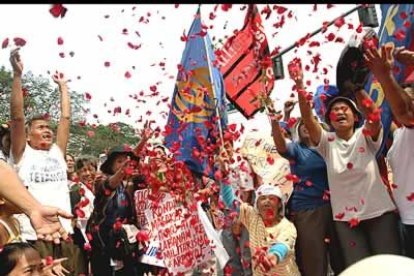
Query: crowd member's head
pixel 39 132
pixel 116 158
pixel 18 259
pixel 85 168
pixel 269 203
pixel 5 139
pixel 286 130
pixel 70 163
pixel 342 114
pixel 301 133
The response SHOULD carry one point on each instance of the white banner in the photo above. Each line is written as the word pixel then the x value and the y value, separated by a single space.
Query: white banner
pixel 183 241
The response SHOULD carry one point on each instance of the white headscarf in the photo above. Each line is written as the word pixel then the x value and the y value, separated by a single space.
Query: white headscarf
pixel 267 189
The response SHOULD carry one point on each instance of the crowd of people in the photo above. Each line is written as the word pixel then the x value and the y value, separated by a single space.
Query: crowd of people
pixel 343 209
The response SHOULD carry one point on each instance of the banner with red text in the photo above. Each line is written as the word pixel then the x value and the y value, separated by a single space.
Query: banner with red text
pixel 183 241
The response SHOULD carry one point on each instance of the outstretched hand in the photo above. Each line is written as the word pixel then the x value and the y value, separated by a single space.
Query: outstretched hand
pixel 45 221
pixel 16 62
pixel 59 78
pixel 380 63
pixel 295 71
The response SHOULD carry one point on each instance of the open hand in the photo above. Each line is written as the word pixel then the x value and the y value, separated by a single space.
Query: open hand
pixel 59 78
pixel 295 71
pixel 380 62
pixel 46 223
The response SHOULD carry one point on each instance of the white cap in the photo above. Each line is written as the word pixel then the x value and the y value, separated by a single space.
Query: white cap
pixel 268 189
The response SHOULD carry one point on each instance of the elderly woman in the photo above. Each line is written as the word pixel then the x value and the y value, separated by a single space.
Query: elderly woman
pixel 272 236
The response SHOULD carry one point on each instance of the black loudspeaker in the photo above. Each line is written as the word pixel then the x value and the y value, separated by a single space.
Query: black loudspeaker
pixel 368 16
pixel 278 68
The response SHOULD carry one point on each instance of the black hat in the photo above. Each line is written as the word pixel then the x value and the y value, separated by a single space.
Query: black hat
pixel 4 129
pixel 348 101
pixel 106 166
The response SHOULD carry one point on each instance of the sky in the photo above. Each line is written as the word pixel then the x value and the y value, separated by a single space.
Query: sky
pixel 97 56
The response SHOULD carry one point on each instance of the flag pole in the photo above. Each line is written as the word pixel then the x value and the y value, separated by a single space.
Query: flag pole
pixel 212 83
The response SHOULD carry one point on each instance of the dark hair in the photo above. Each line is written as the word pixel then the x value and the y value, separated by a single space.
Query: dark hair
pixel 36 117
pixel 10 255
pixel 71 155
pixel 85 161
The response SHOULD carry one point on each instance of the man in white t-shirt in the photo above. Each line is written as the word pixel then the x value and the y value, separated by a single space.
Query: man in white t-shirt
pixel 39 162
pixel 401 153
pixel 363 211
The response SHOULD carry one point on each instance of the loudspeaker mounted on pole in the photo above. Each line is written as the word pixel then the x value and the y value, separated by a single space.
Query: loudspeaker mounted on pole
pixel 368 16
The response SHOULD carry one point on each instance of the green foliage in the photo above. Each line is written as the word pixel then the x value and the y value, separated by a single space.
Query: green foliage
pixel 89 140
pixel 40 97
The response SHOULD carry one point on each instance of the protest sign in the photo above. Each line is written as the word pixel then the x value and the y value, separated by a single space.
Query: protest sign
pixel 183 240
pixel 142 203
pixel 259 149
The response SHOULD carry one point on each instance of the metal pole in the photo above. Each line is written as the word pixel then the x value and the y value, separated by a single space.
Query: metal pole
pixel 213 88
pixel 318 31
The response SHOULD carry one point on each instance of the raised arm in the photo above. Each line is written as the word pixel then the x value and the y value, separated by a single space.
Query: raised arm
pixel 17 129
pixel 314 128
pixel 62 136
pixel 287 109
pixel 381 65
pixel 277 133
pixel 146 134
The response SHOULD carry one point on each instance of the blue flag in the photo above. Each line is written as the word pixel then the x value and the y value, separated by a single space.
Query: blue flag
pixel 192 128
pixel 397 25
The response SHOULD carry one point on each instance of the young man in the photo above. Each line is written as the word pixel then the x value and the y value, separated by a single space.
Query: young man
pixel 40 162
pixel 401 153
pixel 363 211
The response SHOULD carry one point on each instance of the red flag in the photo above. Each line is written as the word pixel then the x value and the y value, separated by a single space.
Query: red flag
pixel 246 65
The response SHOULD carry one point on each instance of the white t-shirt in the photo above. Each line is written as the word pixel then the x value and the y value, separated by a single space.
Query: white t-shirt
pixel 44 174
pixel 355 184
pixel 401 159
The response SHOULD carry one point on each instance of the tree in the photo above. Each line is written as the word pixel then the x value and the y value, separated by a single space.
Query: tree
pixel 94 140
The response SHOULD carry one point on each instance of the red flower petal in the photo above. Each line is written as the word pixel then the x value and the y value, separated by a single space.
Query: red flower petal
pixel 60 41
pixel 19 41
pixel 339 22
pixel 127 74
pixel 349 166
pixel 49 260
pixel 340 216
pixel 270 160
pixel 410 197
pixel 58 10
pixel 353 222
pixel 399 34
pixel 5 43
